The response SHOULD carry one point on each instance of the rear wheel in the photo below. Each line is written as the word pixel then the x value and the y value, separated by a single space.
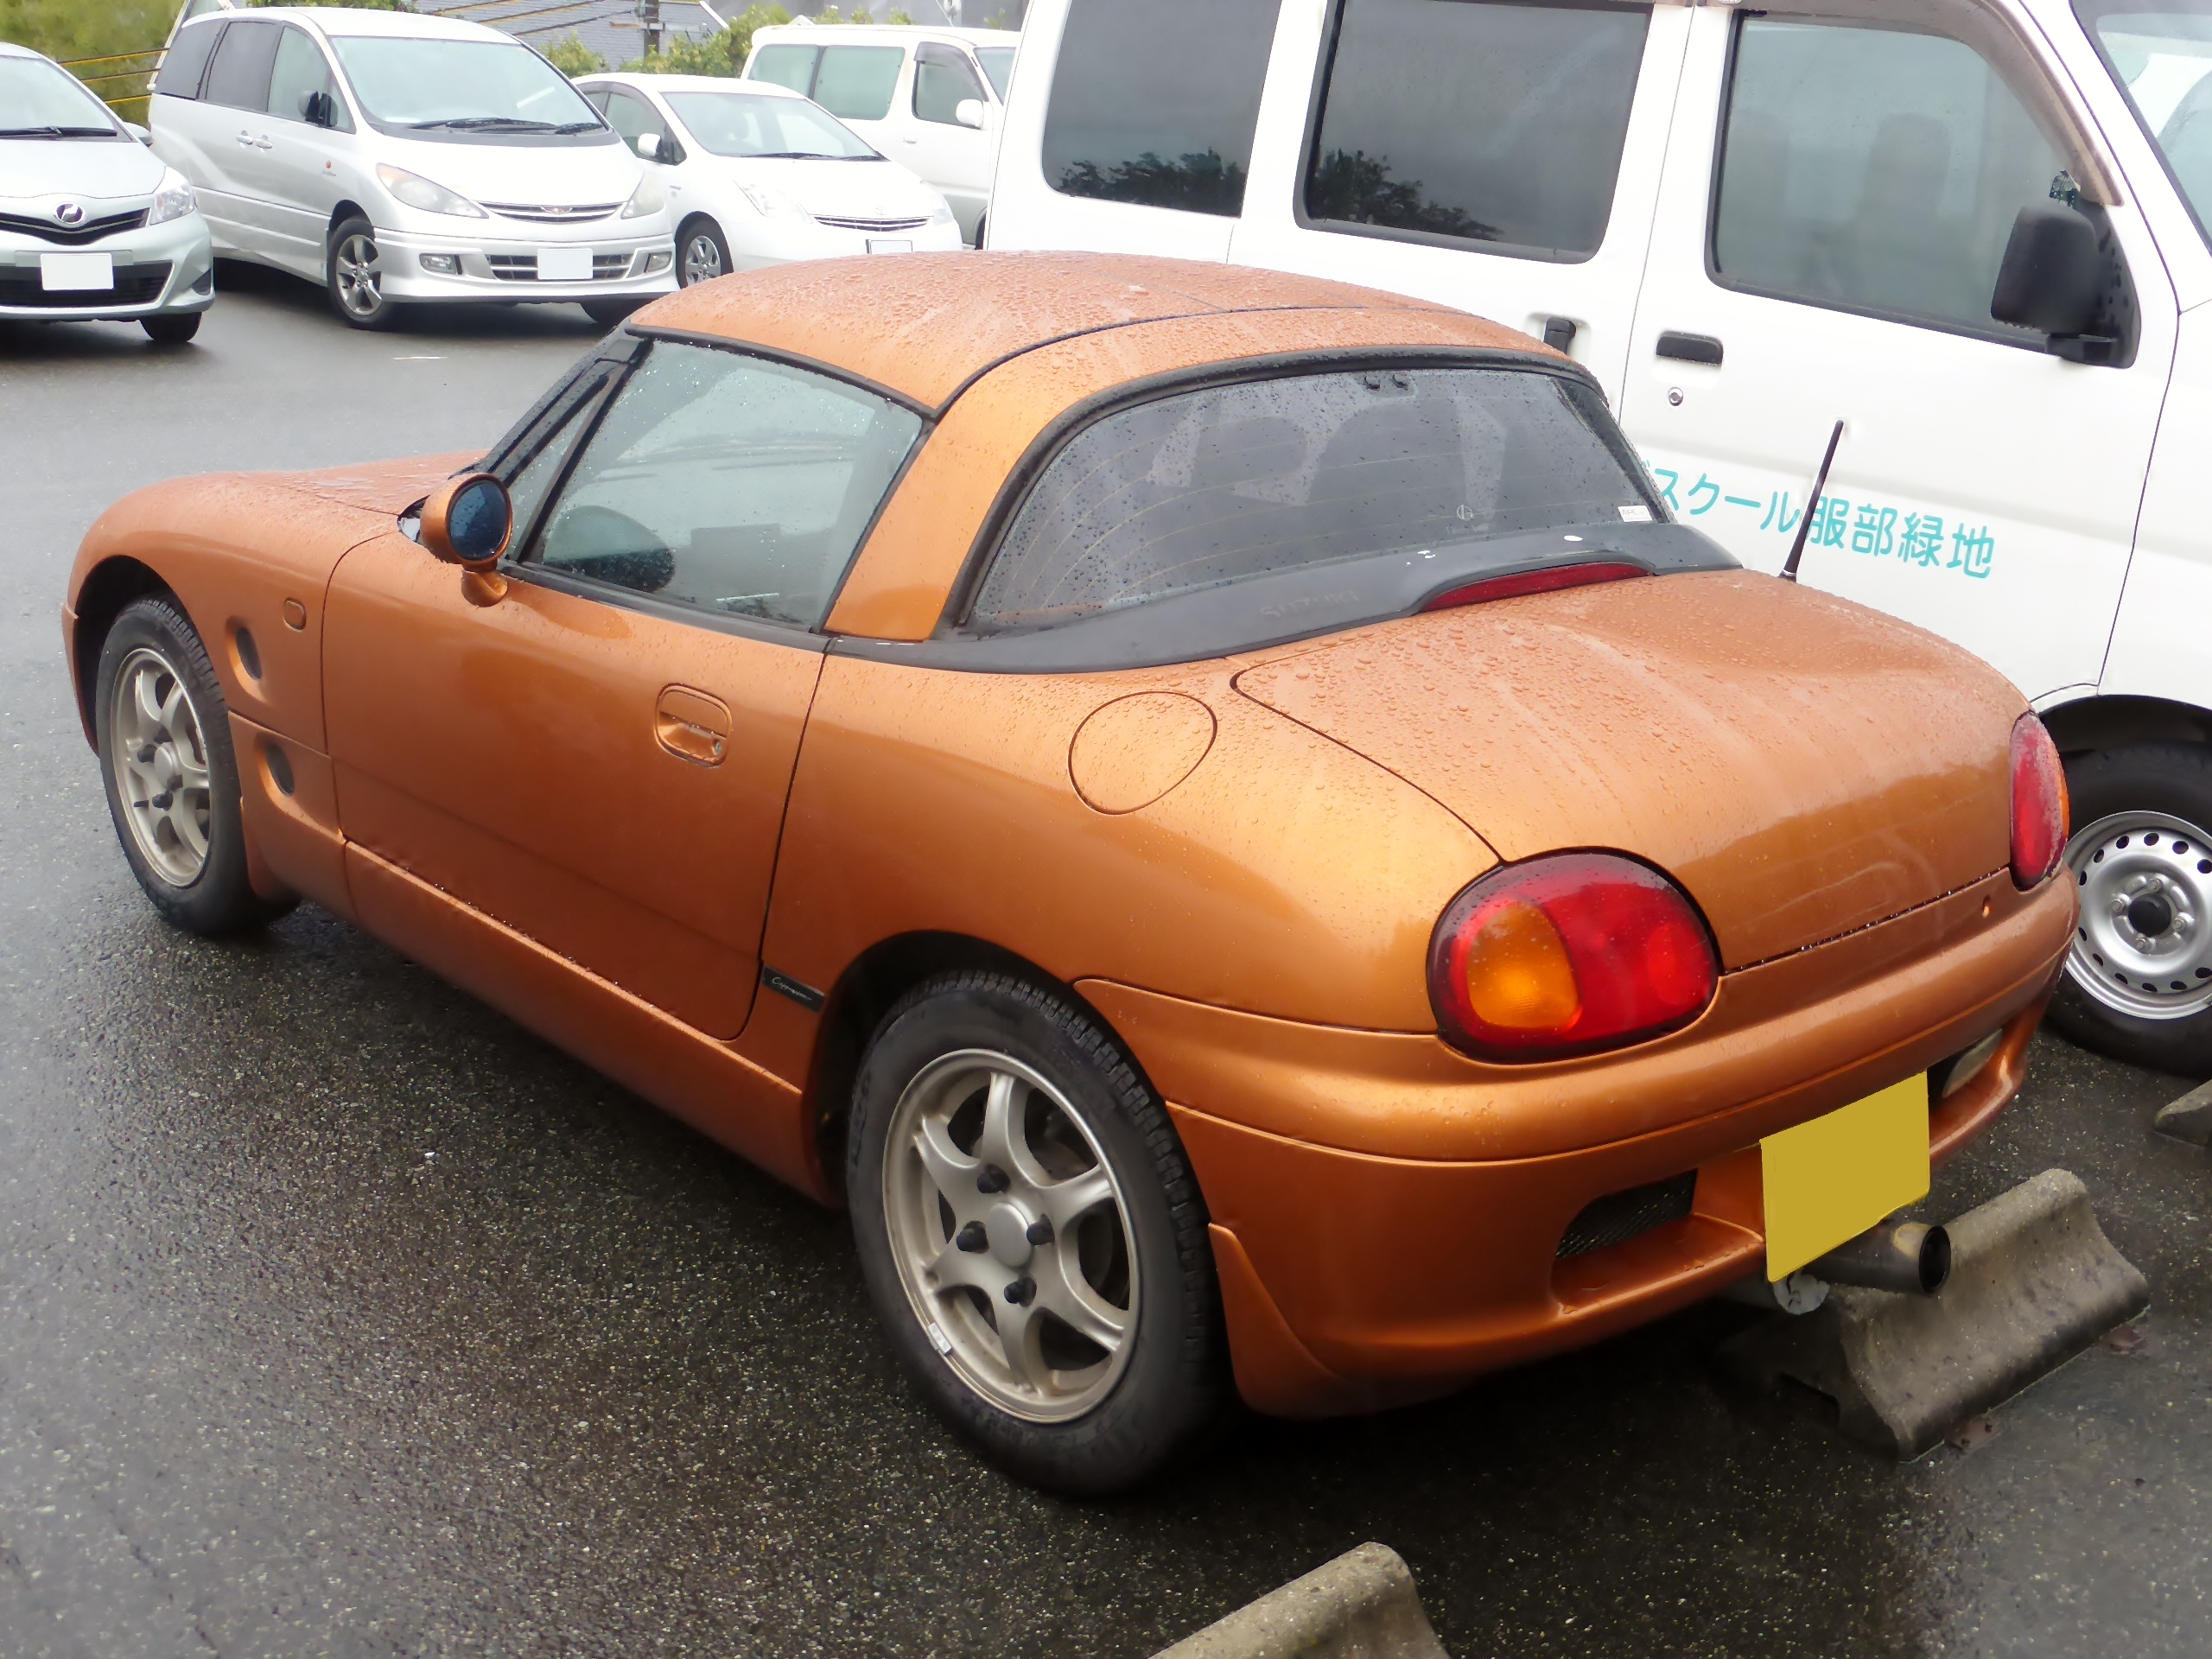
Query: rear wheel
pixel 172 781
pixel 702 252
pixel 1031 1235
pixel 354 275
pixel 2138 979
pixel 175 328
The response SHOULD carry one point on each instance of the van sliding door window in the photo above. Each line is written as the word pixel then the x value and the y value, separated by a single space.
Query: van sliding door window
pixel 1154 101
pixel 1473 121
pixel 239 76
pixel 855 82
pixel 1876 165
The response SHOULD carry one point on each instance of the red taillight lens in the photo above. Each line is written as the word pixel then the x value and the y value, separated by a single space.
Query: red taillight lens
pixel 1567 954
pixel 1530 582
pixel 2039 810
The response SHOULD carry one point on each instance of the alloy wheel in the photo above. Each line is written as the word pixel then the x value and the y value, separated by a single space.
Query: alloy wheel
pixel 360 276
pixel 1010 1235
pixel 160 757
pixel 703 258
pixel 2144 946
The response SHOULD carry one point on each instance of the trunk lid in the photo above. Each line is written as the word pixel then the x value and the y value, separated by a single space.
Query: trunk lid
pixel 1801 766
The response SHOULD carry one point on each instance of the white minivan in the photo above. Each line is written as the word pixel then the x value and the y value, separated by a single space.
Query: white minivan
pixel 929 98
pixel 1974 232
pixel 395 158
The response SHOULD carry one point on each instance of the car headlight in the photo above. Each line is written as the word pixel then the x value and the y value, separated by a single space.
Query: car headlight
pixel 174 199
pixel 650 197
pixel 942 213
pixel 418 192
pixel 773 202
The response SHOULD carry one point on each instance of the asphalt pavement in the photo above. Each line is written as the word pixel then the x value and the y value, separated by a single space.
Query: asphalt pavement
pixel 338 1315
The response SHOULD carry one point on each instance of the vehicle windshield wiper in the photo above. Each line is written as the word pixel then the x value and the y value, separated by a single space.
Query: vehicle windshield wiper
pixel 486 123
pixel 578 126
pixel 57 132
pixel 792 156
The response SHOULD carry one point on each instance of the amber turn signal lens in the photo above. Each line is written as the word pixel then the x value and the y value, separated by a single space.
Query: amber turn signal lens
pixel 1568 954
pixel 2039 804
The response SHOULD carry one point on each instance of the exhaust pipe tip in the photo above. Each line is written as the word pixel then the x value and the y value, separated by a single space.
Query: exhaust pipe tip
pixel 1907 1256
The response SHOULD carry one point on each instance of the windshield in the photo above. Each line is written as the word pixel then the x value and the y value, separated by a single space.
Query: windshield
pixel 2161 55
pixel 998 64
pixel 754 124
pixel 491 86
pixel 1449 469
pixel 40 101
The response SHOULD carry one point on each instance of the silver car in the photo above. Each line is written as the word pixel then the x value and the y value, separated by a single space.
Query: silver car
pixel 93 225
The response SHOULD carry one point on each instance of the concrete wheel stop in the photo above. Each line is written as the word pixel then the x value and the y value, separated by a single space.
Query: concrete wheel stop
pixel 1361 1606
pixel 2188 1118
pixel 2034 1281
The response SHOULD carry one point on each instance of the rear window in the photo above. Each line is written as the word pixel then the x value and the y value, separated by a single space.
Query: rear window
pixel 1154 101
pixel 187 61
pixel 786 65
pixel 1381 484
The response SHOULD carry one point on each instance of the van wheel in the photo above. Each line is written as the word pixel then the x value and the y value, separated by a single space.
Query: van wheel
pixel 2139 980
pixel 1032 1234
pixel 172 780
pixel 353 273
pixel 702 252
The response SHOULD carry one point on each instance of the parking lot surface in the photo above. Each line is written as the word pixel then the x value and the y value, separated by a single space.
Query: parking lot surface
pixel 338 1315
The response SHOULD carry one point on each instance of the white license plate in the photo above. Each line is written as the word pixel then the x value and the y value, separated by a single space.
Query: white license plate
pixel 890 244
pixel 564 264
pixel 76 273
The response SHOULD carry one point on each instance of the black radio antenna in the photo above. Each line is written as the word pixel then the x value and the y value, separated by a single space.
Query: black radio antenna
pixel 1805 523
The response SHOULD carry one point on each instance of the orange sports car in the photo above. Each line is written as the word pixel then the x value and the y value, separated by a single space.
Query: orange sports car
pixel 1214 810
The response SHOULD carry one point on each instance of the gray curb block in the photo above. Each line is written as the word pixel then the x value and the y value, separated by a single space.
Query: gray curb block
pixel 1361 1606
pixel 2188 1118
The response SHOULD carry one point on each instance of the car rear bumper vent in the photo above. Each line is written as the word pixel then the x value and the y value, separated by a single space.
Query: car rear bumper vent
pixel 134 285
pixel 1618 1217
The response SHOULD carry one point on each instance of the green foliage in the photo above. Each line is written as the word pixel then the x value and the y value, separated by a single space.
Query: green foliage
pixel 73 31
pixel 1199 182
pixel 997 20
pixel 360 5
pixel 718 55
pixel 573 58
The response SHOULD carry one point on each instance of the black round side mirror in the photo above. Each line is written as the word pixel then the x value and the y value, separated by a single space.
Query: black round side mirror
pixel 466 521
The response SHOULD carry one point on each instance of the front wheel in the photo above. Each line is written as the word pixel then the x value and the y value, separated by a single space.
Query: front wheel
pixel 702 252
pixel 2138 979
pixel 609 314
pixel 354 275
pixel 173 328
pixel 1032 1234
pixel 172 779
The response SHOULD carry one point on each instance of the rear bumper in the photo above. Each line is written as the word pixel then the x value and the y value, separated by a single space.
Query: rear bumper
pixel 1362 1275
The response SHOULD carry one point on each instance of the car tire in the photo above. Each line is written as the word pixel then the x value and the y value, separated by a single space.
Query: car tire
pixel 2139 980
pixel 175 328
pixel 354 277
pixel 702 252
pixel 172 780
pixel 1115 1361
pixel 609 314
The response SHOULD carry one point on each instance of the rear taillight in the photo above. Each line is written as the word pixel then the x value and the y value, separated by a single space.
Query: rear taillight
pixel 1567 954
pixel 2040 808
pixel 1530 582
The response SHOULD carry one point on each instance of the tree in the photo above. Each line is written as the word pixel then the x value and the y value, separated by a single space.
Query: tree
pixel 573 58
pixel 129 31
pixel 717 54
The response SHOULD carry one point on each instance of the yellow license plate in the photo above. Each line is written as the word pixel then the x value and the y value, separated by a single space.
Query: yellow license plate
pixel 1829 1180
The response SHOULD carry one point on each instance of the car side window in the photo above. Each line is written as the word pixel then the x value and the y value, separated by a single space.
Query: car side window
pixel 942 80
pixel 855 83
pixel 630 115
pixel 728 485
pixel 1155 101
pixel 1876 168
pixel 187 61
pixel 300 71
pixel 1495 122
pixel 786 65
pixel 239 78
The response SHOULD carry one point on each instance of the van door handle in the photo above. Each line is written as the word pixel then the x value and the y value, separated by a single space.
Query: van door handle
pixel 692 726
pixel 1690 348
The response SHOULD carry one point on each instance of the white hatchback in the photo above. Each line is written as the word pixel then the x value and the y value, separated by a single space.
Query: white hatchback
pixel 397 157
pixel 90 225
pixel 758 175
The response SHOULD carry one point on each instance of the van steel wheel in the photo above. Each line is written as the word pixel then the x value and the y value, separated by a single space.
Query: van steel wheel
pixel 172 783
pixel 2138 979
pixel 1031 1235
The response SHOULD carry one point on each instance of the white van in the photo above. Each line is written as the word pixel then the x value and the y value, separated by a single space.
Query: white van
pixel 929 98
pixel 395 158
pixel 1973 230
